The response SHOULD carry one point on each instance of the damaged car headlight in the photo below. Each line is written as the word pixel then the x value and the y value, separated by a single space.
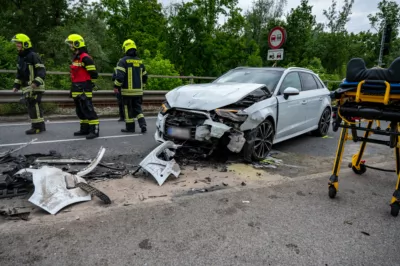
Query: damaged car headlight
pixel 164 108
pixel 231 114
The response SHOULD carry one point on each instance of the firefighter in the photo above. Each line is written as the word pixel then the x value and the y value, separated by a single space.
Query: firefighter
pixel 83 77
pixel 30 77
pixel 119 100
pixel 130 79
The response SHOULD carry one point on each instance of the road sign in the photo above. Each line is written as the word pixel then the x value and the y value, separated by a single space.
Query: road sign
pixel 275 54
pixel 276 37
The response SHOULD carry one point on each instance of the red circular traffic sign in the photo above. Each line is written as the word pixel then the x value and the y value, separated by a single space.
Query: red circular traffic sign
pixel 276 37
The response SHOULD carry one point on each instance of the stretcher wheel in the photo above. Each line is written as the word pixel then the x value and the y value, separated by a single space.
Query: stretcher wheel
pixel 395 208
pixel 332 192
pixel 362 170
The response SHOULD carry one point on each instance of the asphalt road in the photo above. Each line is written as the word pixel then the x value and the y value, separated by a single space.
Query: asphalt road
pixel 288 224
pixel 131 148
pixel 291 223
pixel 126 147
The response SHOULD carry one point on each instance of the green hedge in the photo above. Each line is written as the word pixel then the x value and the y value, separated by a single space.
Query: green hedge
pixel 20 109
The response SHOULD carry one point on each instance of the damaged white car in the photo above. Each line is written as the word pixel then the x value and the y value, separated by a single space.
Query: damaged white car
pixel 246 110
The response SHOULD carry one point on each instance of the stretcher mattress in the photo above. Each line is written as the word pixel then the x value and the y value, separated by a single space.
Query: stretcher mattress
pixel 357 71
pixel 370 88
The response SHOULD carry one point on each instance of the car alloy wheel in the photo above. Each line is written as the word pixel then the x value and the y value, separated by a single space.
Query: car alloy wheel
pixel 263 140
pixel 324 123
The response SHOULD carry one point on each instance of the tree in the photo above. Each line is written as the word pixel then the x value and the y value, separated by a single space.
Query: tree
pixel 335 54
pixel 298 45
pixel 139 20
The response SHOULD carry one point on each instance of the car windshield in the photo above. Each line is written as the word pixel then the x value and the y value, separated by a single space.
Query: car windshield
pixel 260 76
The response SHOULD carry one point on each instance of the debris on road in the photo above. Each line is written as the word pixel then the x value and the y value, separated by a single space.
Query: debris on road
pixel 53 188
pixel 8 153
pixel 160 163
pixel 16 213
pixel 94 192
pixel 51 192
pixel 269 162
pixel 160 196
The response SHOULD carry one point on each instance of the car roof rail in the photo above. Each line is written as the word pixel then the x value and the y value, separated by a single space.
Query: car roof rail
pixel 300 68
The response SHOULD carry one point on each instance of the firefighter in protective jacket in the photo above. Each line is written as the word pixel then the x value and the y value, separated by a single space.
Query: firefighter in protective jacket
pixel 130 79
pixel 30 78
pixel 83 77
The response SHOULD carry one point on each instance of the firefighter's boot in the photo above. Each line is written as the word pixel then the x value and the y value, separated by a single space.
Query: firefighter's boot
pixel 142 124
pixel 129 128
pixel 94 131
pixel 83 131
pixel 36 129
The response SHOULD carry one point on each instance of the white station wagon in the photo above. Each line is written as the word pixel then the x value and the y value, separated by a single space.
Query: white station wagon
pixel 246 110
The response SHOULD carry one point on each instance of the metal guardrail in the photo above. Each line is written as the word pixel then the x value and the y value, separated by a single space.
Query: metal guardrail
pixel 110 75
pixel 62 96
pixel 100 96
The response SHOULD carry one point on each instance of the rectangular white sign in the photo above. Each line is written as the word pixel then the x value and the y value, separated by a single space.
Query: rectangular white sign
pixel 275 54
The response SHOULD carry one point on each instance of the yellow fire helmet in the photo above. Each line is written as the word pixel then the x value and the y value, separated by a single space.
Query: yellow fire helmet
pixel 24 39
pixel 128 44
pixel 76 40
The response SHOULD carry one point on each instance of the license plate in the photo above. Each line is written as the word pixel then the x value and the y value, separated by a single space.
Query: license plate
pixel 179 133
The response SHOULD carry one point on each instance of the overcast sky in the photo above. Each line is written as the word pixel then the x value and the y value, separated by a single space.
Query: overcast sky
pixel 359 20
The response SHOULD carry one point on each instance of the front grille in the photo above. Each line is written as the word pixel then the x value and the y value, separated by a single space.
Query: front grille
pixel 184 119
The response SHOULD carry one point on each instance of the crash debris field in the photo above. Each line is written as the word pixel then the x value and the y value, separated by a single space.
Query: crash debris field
pixel 40 186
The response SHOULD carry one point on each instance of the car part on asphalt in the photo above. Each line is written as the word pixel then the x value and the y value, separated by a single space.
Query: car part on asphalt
pixel 93 164
pixel 160 163
pixel 51 192
pixel 7 153
pixel 94 192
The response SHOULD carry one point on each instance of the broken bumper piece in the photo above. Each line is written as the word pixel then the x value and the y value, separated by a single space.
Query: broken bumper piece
pixel 52 191
pixel 160 164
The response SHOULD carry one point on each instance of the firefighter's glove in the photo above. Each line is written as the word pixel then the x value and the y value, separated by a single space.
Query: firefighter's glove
pixel 116 90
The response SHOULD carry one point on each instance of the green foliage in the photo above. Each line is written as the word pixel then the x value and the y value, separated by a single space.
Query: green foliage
pixel 19 109
pixel 160 66
pixel 186 38
pixel 8 56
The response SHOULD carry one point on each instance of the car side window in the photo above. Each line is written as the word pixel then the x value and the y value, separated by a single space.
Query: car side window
pixel 319 83
pixel 291 80
pixel 308 82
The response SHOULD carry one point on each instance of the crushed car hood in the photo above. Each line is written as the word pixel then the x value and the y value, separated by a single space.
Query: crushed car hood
pixel 209 96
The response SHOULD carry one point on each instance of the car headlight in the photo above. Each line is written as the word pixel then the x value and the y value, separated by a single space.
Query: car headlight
pixel 231 114
pixel 164 108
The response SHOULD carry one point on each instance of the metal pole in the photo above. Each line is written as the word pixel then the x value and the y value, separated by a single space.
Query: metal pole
pixel 382 45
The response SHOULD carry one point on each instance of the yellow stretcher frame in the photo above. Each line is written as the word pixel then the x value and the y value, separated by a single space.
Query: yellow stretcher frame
pixel 357 164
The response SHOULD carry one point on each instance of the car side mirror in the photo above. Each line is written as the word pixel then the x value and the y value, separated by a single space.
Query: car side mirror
pixel 290 91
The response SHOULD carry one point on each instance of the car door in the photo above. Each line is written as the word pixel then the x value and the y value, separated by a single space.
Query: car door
pixel 313 96
pixel 291 111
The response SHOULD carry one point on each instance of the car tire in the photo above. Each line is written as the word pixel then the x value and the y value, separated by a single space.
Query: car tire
pixel 259 142
pixel 323 124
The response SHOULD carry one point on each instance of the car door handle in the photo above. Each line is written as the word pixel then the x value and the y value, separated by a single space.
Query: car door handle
pixel 304 102
pixel 320 98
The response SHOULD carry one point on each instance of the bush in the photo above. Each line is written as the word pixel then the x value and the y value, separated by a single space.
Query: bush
pixel 160 66
pixel 20 109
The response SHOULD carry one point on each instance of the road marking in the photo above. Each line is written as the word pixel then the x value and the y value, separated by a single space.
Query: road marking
pixel 68 140
pixel 63 122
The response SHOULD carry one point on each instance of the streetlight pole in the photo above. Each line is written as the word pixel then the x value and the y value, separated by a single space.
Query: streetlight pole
pixel 382 45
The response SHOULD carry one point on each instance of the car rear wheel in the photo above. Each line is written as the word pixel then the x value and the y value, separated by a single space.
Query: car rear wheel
pixel 324 123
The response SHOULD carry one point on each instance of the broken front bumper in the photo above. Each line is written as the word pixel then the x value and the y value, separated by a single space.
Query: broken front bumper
pixel 205 131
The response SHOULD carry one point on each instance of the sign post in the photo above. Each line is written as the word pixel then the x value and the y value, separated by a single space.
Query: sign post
pixel 276 39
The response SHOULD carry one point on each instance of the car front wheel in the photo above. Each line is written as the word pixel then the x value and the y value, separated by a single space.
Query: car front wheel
pixel 259 141
pixel 324 123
